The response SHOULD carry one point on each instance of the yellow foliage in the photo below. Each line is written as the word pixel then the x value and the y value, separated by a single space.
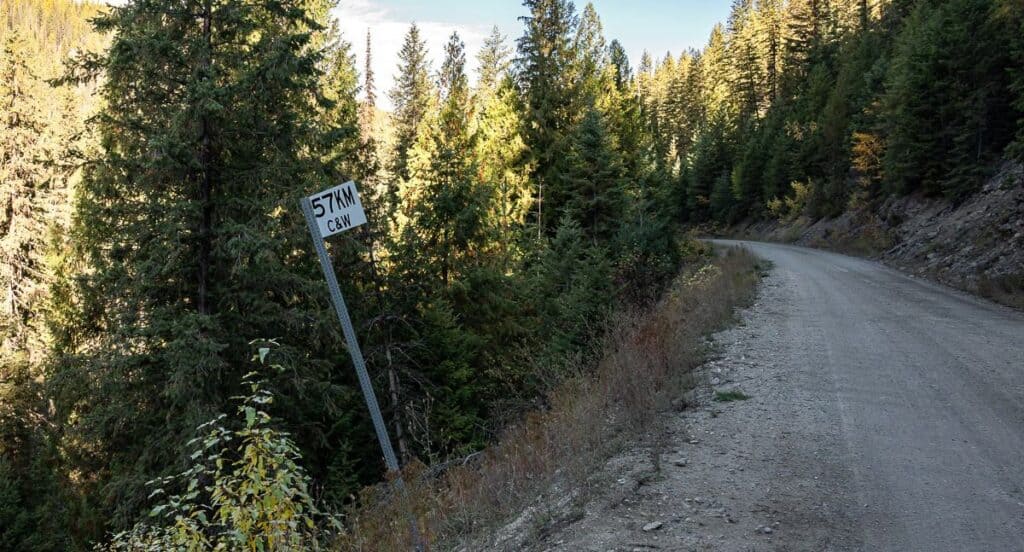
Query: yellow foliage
pixel 791 207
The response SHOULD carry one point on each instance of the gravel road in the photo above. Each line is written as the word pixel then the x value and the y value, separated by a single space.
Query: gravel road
pixel 886 413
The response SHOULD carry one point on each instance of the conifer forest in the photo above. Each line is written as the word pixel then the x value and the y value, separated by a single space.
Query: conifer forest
pixel 168 347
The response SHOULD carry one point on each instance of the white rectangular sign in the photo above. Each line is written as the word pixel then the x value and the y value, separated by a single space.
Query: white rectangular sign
pixel 338 209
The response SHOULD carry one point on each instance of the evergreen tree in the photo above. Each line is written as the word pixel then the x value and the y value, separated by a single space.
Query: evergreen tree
pixel 443 204
pixel 499 152
pixel 188 226
pixel 411 97
pixel 369 87
pixel 572 278
pixel 618 58
pixel 339 83
pixel 591 54
pixel 23 201
pixel 464 313
pixel 810 28
pixel 946 98
pixel 550 97
pixel 710 170
pixel 494 62
pixel 644 75
pixel 40 131
pixel 745 71
pixel 368 111
pixel 500 149
pixel 594 192
pixel 769 14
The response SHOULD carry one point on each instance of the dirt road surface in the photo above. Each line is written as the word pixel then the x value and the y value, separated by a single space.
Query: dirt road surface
pixel 885 413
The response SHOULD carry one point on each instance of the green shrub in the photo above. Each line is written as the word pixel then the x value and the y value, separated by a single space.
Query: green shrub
pixel 244 492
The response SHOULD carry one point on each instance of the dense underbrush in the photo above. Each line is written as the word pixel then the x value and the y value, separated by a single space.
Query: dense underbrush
pixel 647 359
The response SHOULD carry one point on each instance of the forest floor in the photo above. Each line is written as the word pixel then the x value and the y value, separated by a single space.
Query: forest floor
pixel 976 246
pixel 881 413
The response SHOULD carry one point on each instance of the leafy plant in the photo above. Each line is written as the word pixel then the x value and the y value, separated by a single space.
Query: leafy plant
pixel 245 490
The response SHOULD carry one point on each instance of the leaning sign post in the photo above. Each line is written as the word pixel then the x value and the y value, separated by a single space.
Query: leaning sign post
pixel 327 213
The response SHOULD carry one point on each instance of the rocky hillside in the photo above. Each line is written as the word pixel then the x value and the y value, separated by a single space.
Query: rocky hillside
pixel 977 246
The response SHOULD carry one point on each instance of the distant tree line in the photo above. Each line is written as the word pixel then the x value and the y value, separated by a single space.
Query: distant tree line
pixel 809 105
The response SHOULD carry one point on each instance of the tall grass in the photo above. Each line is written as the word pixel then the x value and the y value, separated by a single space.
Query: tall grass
pixel 648 360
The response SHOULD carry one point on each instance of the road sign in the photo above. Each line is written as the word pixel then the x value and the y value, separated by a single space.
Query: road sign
pixel 337 209
pixel 331 212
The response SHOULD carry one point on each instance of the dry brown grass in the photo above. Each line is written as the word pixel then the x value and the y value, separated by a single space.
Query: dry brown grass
pixel 649 356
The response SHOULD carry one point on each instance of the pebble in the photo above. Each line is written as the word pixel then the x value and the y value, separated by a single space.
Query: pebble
pixel 653 526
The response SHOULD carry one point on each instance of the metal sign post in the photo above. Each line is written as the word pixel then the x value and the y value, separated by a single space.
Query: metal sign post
pixel 328 213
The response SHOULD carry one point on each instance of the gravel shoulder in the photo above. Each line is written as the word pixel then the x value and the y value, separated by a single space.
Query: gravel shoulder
pixel 885 413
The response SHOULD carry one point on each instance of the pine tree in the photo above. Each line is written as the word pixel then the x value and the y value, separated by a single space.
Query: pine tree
pixel 500 149
pixel 710 170
pixel 350 153
pixel 369 88
pixel 443 203
pixel 23 201
pixel 807 33
pixel 188 227
pixel 494 62
pixel 684 104
pixel 618 58
pixel 369 105
pixel 411 97
pixel 573 275
pixel 551 98
pixel 499 152
pixel 591 54
pixel 946 99
pixel 40 133
pixel 714 74
pixel 769 14
pixel 594 192
pixel 745 73
pixel 447 254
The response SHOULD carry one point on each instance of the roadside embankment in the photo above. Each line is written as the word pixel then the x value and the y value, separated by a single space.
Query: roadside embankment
pixel 976 246
pixel 532 480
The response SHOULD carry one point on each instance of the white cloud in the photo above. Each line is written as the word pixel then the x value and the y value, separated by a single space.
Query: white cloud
pixel 388 30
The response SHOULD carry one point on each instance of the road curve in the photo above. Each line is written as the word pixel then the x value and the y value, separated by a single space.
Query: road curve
pixel 926 387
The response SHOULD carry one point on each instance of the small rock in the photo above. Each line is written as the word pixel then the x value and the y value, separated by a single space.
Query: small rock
pixel 653 526
pixel 767 530
pixel 680 463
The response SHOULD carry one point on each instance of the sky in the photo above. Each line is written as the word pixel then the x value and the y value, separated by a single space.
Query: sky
pixel 658 26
